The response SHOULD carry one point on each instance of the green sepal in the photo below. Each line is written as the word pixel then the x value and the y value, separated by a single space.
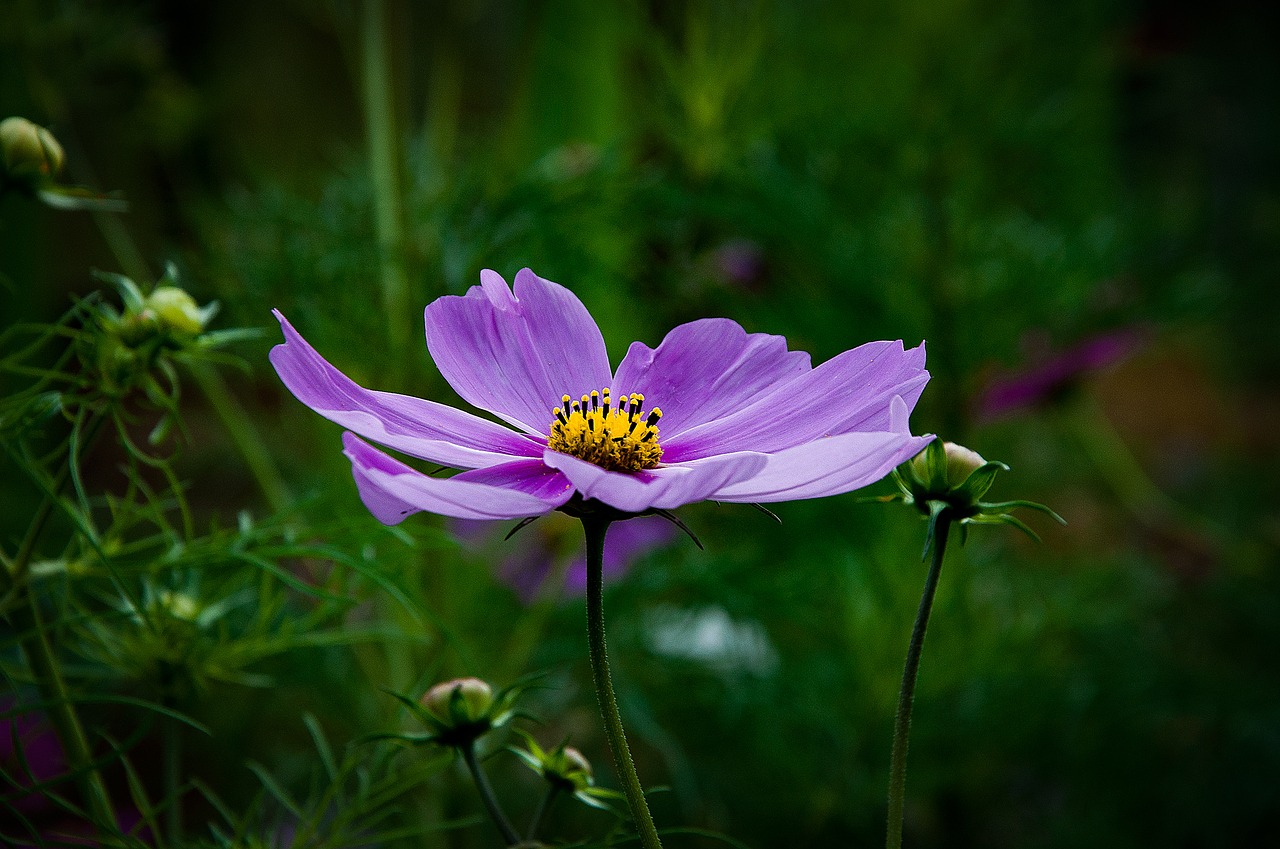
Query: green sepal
pixel 130 294
pixel 980 480
pixel 75 198
pixel 596 798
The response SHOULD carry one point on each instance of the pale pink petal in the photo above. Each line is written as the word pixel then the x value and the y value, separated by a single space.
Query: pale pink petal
pixel 392 490
pixel 665 487
pixel 850 392
pixel 516 354
pixel 704 370
pixel 830 465
pixel 415 426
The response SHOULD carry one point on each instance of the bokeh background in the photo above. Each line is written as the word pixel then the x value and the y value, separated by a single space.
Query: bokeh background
pixel 1077 205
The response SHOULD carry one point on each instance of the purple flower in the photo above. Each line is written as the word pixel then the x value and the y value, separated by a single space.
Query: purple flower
pixel 552 549
pixel 1054 374
pixel 742 418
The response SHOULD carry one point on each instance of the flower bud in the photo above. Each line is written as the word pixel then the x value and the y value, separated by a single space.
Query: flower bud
pixel 29 150
pixel 961 462
pixel 176 310
pixel 947 472
pixel 564 768
pixel 568 769
pixel 947 481
pixel 459 700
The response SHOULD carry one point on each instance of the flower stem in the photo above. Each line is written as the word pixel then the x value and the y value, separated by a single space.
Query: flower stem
pixel 907 692
pixel 384 167
pixel 544 805
pixel 486 794
pixel 595 529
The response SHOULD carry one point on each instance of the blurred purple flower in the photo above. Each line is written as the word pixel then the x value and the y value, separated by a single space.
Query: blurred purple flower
pixel 743 419
pixel 738 263
pixel 553 549
pixel 1055 374
pixel 31 755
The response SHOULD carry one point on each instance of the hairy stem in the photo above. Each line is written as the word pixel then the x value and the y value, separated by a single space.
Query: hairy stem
pixel 595 529
pixel 907 692
pixel 486 794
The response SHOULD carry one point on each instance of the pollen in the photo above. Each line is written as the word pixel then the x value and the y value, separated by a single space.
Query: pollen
pixel 619 436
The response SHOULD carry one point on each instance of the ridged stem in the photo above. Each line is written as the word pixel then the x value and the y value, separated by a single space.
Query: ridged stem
pixel 907 692
pixel 595 529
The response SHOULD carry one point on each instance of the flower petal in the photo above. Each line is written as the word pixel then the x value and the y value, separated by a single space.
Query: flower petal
pixel 830 465
pixel 392 491
pixel 515 355
pixel 665 487
pixel 849 392
pixel 415 426
pixel 705 369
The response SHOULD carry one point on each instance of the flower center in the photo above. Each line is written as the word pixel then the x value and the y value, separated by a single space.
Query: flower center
pixel 618 438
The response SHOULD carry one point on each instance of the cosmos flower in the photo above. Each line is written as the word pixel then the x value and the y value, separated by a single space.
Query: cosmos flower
pixel 712 413
pixel 1053 375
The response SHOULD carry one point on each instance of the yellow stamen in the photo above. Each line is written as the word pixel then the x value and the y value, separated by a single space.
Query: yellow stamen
pixel 619 438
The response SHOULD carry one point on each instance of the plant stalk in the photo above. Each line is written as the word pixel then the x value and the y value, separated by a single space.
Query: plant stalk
pixel 384 168
pixel 486 794
pixel 907 692
pixel 544 805
pixel 595 529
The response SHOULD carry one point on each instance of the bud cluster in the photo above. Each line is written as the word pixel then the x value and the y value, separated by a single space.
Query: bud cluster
pixel 127 343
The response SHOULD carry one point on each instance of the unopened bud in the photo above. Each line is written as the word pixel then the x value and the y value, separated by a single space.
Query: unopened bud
pixel 29 150
pixel 459 700
pixel 571 768
pixel 961 462
pixel 176 310
pixel 946 479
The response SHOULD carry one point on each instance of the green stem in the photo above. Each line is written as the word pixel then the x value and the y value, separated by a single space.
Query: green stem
pixel 907 692
pixel 486 794
pixel 595 529
pixel 544 805
pixel 384 169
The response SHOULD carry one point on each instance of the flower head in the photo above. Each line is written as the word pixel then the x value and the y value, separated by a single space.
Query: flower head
pixel 712 413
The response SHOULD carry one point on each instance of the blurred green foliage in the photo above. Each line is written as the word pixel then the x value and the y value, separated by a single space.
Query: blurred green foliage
pixel 1003 178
